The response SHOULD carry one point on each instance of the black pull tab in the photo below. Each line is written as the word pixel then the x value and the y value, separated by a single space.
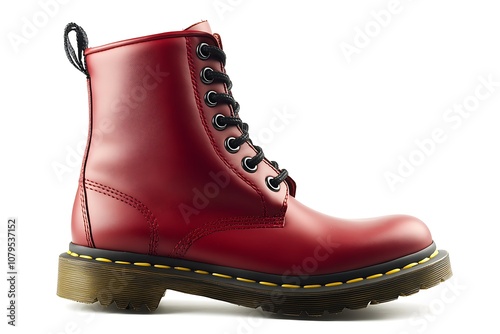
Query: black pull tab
pixel 77 59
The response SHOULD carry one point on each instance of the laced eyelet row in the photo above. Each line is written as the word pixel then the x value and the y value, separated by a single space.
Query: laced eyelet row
pixel 220 122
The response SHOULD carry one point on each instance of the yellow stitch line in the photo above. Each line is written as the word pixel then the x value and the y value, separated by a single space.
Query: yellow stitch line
pixel 393 271
pixel 436 252
pixel 354 280
pixel 221 275
pixel 410 265
pixel 202 272
pixel 68 252
pixel 375 276
pixel 246 280
pixel 268 283
pixel 182 268
pixel 142 264
pixel 241 279
pixel 334 284
pixel 162 266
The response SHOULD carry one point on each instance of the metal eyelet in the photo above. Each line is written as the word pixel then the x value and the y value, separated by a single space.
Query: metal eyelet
pixel 270 185
pixel 216 122
pixel 244 163
pixel 200 53
pixel 203 75
pixel 229 148
pixel 208 101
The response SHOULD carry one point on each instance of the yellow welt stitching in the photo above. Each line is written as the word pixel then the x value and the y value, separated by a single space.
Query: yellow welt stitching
pixel 246 280
pixel 202 272
pixel 221 275
pixel 241 279
pixel 182 268
pixel 334 284
pixel 142 264
pixel 410 265
pixel 393 271
pixel 436 252
pixel 268 283
pixel 354 280
pixel 162 266
pixel 375 276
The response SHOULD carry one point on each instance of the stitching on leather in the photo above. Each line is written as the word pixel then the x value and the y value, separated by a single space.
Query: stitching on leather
pixel 285 201
pixel 220 225
pixel 136 204
pixel 83 193
pixel 84 215
pixel 129 200
pixel 210 136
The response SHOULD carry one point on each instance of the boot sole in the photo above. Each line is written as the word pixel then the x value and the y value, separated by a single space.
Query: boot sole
pixel 133 284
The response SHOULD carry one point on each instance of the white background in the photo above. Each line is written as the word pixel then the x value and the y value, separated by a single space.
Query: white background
pixel 351 121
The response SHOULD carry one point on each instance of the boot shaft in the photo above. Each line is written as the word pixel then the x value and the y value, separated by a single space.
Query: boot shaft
pixel 155 160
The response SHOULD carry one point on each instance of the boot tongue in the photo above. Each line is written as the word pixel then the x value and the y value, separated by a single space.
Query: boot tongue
pixel 201 26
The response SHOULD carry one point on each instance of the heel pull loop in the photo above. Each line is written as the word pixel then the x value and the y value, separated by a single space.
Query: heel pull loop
pixel 77 59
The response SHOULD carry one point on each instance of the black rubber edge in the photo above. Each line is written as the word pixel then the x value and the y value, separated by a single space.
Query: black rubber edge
pixel 254 275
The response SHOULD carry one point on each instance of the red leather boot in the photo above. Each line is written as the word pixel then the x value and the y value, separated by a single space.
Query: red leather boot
pixel 174 195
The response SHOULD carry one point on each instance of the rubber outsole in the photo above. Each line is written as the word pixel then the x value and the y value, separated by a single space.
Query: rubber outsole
pixel 135 285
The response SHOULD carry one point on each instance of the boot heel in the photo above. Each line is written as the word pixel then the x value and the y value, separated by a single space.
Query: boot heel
pixel 88 281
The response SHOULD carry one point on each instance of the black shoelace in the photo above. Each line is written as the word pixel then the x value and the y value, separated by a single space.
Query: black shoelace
pixel 220 122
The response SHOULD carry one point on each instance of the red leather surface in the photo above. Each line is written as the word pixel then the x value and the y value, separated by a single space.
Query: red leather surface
pixel 312 243
pixel 159 181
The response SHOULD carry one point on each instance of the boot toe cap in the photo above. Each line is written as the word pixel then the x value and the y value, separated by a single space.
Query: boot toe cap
pixel 405 234
pixel 373 241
